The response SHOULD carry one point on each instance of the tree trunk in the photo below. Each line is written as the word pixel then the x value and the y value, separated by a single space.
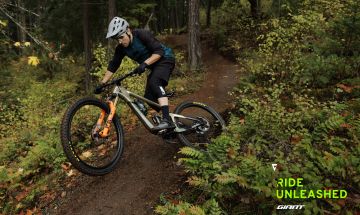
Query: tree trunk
pixel 185 12
pixel 208 14
pixel 87 48
pixel 38 11
pixel 112 13
pixel 194 49
pixel 160 16
pixel 181 13
pixel 254 8
pixel 168 15
pixel 22 22
pixel 172 17
pixel 112 9
pixel 176 10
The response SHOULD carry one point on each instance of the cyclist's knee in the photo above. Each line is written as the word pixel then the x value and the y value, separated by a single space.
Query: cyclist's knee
pixel 157 88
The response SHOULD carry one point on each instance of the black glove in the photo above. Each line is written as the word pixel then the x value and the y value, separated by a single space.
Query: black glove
pixel 98 89
pixel 140 69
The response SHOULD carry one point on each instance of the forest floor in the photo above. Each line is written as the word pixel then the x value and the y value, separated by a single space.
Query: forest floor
pixel 148 167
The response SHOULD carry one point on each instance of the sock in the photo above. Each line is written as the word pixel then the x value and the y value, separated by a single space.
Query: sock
pixel 165 112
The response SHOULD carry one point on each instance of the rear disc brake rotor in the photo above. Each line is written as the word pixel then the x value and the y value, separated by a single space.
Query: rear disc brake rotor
pixel 204 127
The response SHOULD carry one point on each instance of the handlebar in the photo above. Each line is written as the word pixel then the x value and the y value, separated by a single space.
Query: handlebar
pixel 118 80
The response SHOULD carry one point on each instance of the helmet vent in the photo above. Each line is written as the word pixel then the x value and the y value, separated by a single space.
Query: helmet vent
pixel 116 26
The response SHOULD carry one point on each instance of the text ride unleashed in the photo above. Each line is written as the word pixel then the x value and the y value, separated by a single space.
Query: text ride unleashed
pixel 303 193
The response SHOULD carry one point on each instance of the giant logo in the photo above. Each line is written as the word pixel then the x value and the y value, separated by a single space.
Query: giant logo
pixel 290 207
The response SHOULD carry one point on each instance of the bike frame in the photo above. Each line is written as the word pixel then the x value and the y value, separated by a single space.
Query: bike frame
pixel 127 96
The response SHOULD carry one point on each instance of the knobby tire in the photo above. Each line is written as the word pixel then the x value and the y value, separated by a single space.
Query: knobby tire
pixel 67 144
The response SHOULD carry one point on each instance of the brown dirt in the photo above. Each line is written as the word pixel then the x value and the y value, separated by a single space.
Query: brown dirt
pixel 148 166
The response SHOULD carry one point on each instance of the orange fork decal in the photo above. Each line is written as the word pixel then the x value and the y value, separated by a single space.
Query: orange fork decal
pixel 105 132
pixel 100 120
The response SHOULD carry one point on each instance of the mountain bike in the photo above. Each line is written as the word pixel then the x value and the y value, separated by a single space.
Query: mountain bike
pixel 92 135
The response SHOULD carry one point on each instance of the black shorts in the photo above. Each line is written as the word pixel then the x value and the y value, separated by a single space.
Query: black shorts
pixel 162 69
pixel 158 79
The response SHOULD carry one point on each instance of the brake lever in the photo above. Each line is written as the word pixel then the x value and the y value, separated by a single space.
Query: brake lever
pixel 133 74
pixel 117 82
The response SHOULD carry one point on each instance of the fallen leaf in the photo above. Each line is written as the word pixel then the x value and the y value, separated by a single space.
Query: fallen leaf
pixel 345 125
pixel 70 173
pixel 65 167
pixel 86 154
pixel 341 202
pixel 21 195
pixel 33 60
pixel 63 194
pixel 231 152
pixel 175 202
pixel 175 192
pixel 345 114
pixel 296 139
pixel 242 121
pixel 103 152
pixel 48 197
pixel 347 89
pixel 31 212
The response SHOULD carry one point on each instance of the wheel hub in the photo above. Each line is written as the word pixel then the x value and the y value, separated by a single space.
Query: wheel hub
pixel 204 127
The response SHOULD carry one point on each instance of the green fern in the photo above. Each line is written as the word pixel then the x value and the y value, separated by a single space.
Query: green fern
pixel 197 181
pixel 190 163
pixel 331 124
pixel 226 178
pixel 196 210
pixel 212 207
pixel 191 152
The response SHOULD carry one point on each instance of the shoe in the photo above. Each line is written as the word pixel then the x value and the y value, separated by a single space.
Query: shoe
pixel 164 124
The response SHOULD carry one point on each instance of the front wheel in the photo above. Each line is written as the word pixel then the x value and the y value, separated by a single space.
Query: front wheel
pixel 200 122
pixel 86 150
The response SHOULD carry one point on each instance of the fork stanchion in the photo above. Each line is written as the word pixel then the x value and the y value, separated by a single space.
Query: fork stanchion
pixel 105 132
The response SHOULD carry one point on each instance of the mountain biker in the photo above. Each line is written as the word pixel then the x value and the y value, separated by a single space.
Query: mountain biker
pixel 141 46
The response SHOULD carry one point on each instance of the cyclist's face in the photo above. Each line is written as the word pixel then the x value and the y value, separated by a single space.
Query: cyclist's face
pixel 124 40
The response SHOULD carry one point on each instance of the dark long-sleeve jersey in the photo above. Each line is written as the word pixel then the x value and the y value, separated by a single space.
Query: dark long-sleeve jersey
pixel 144 44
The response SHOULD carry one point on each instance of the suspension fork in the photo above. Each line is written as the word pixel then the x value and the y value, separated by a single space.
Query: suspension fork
pixel 105 132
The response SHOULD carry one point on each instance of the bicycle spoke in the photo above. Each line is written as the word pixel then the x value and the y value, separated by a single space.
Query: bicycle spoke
pixel 96 152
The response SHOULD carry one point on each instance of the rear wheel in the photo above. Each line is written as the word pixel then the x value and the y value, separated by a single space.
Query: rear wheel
pixel 202 123
pixel 86 150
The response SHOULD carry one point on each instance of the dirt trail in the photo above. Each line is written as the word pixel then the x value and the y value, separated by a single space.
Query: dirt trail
pixel 148 166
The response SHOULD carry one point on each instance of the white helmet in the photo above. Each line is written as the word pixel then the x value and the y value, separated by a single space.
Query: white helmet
pixel 117 26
